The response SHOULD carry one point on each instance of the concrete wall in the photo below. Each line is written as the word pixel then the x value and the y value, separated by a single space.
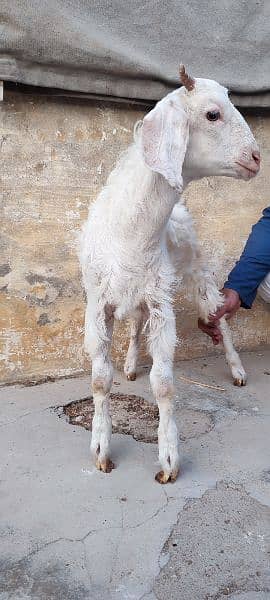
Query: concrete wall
pixel 56 155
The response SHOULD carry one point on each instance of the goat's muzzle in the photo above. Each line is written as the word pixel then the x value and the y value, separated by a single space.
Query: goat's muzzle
pixel 249 168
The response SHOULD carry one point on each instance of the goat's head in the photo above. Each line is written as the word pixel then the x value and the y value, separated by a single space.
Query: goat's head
pixel 197 128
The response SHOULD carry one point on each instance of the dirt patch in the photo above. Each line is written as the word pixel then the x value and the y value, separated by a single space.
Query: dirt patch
pixel 133 415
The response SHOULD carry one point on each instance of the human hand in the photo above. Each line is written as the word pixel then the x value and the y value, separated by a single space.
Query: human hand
pixel 231 305
pixel 211 329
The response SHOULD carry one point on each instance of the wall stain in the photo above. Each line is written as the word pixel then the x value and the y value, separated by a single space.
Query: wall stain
pixel 4 269
pixel 43 319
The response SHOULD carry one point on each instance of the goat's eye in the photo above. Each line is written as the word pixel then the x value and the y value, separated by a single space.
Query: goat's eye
pixel 213 115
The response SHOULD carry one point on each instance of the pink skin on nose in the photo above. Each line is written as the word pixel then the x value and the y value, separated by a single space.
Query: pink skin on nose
pixel 252 166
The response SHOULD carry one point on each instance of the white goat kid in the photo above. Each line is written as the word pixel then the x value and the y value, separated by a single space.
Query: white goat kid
pixel 139 238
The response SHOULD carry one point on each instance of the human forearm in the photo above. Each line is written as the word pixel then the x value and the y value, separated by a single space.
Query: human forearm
pixel 254 263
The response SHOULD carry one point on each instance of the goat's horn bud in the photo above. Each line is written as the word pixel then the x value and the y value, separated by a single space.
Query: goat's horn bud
pixel 185 79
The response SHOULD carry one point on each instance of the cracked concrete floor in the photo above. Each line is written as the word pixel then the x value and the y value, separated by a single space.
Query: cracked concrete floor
pixel 69 532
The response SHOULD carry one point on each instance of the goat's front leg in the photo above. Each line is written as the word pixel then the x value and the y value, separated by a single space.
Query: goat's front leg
pixel 233 359
pixel 136 325
pixel 98 335
pixel 162 340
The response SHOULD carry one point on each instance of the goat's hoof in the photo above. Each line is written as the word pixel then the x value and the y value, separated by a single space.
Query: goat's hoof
pixel 131 376
pixel 163 477
pixel 240 381
pixel 239 376
pixel 106 466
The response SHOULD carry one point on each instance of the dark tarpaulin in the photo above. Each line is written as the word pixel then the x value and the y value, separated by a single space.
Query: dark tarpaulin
pixel 132 48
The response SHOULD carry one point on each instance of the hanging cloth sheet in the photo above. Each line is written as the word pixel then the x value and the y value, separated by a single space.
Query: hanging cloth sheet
pixel 132 48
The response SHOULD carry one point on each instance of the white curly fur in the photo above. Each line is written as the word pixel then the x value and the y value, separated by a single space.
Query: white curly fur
pixel 139 243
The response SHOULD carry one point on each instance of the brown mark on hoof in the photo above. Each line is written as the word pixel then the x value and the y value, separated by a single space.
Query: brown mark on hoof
pixel 106 466
pixel 162 477
pixel 239 382
pixel 131 376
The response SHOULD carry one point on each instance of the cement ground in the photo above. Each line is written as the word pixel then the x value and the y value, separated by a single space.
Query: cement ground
pixel 69 532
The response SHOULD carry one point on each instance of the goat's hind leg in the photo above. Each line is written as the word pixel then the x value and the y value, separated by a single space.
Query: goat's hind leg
pixel 233 358
pixel 208 303
pixel 199 281
pixel 136 325
pixel 98 335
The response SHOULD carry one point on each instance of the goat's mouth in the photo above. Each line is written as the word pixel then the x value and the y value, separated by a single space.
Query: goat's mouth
pixel 247 172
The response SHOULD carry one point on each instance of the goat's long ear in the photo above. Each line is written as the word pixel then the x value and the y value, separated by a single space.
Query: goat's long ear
pixel 164 140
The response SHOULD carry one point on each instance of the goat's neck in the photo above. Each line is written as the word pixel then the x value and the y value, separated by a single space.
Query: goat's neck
pixel 147 200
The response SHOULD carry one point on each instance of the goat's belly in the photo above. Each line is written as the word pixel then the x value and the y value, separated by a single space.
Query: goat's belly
pixel 127 292
pixel 128 302
pixel 135 293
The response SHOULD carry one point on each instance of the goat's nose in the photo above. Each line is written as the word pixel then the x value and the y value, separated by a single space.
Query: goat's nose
pixel 256 157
